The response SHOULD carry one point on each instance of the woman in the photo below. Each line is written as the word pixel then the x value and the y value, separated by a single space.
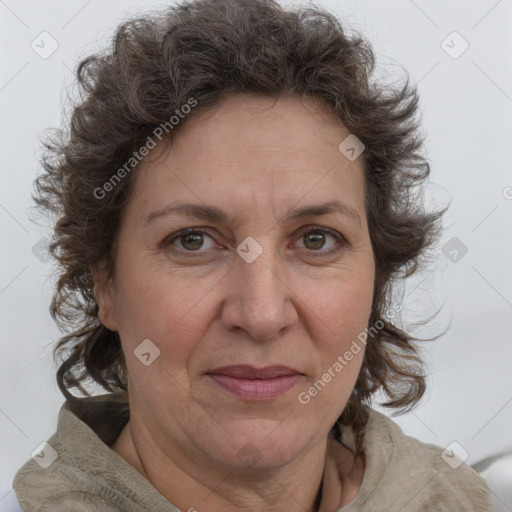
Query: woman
pixel 234 202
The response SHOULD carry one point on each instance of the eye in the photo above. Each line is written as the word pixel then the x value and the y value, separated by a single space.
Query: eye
pixel 190 240
pixel 317 238
pixel 196 240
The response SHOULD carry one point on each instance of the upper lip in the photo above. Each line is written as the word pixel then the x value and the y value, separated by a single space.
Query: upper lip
pixel 251 372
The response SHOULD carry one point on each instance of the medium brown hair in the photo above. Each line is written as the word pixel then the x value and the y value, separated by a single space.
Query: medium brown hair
pixel 209 50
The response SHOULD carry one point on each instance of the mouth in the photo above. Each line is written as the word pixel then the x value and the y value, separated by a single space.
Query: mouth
pixel 256 384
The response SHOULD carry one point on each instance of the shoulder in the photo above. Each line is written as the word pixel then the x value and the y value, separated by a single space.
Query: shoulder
pixel 58 487
pixel 78 471
pixel 419 476
pixel 55 479
pixel 75 470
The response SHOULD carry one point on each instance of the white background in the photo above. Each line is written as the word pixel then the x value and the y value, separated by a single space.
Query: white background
pixel 466 106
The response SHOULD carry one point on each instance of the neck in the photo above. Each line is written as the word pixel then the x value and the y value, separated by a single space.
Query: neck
pixel 193 485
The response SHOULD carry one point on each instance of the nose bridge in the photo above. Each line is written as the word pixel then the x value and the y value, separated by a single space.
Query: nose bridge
pixel 262 283
pixel 259 301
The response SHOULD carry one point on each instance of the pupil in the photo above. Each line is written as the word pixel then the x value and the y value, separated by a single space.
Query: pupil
pixel 317 239
pixel 194 240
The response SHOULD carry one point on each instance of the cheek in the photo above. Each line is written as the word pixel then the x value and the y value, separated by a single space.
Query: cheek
pixel 341 312
pixel 172 311
pixel 342 308
pixel 158 304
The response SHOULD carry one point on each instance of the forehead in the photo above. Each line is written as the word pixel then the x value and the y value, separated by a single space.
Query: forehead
pixel 244 125
pixel 254 151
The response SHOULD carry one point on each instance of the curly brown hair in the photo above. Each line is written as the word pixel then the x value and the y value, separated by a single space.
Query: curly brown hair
pixel 209 50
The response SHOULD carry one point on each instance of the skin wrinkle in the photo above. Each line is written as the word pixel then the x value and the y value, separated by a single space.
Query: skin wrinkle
pixel 292 309
pixel 282 308
pixel 316 58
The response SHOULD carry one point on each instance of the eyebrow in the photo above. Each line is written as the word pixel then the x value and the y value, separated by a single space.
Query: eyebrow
pixel 214 214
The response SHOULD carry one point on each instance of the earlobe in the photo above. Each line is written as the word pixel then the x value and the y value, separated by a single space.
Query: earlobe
pixel 103 294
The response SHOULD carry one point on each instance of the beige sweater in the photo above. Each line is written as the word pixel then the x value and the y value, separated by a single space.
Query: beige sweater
pixel 402 474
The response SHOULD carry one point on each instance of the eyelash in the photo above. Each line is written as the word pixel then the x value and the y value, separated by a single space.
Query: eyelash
pixel 342 242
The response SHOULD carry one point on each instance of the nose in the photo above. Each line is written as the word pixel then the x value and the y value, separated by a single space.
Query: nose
pixel 259 299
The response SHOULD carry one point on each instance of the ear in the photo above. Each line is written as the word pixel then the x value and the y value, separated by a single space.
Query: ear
pixel 104 295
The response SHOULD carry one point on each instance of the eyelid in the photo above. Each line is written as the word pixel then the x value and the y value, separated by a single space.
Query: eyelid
pixel 342 241
pixel 168 241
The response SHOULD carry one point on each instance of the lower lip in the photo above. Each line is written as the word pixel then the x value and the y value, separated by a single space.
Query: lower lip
pixel 256 389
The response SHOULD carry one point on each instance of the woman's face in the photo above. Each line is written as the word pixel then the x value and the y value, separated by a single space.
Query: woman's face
pixel 253 284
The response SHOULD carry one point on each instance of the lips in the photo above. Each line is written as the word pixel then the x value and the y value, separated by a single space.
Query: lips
pixel 255 384
pixel 250 372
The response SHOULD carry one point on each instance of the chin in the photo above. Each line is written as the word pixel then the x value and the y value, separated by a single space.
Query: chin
pixel 258 443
